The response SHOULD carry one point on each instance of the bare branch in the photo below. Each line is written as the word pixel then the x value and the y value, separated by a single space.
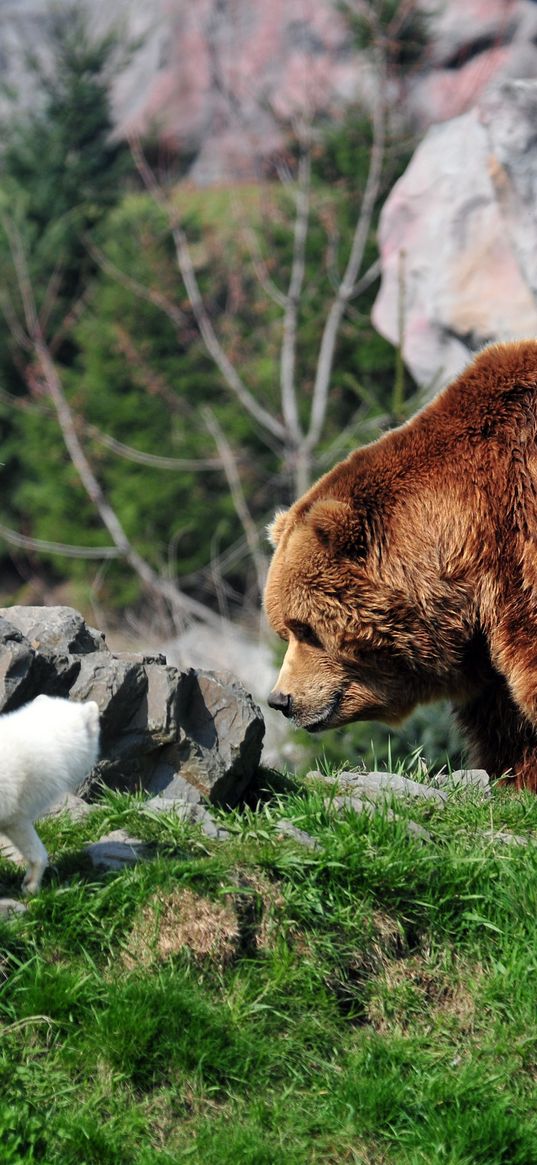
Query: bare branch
pixel 13 538
pixel 182 604
pixel 51 296
pixel 260 268
pixel 290 318
pixel 346 288
pixel 229 463
pixel 186 267
pixel 367 279
pixel 20 265
pixel 13 324
pixel 149 294
pixel 152 460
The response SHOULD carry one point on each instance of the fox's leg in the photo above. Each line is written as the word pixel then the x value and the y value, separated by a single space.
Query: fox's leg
pixel 24 837
pixel 9 851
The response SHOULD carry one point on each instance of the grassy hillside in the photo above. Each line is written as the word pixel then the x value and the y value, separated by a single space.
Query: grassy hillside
pixel 256 1002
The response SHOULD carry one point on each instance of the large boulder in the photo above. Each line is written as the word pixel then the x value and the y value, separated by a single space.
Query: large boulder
pixel 472 44
pixel 458 238
pixel 174 733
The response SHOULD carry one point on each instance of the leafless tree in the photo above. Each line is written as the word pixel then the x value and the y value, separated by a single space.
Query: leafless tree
pixel 296 441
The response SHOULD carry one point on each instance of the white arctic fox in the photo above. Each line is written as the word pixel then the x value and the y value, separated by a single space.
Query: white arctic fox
pixel 47 748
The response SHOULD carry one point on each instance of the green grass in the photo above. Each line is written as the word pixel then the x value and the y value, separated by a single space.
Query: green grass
pixel 255 1003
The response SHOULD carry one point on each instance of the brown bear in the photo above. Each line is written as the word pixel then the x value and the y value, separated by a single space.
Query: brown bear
pixel 408 573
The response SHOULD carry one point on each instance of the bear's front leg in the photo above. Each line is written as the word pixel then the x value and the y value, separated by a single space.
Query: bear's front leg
pixel 513 652
pixel 502 740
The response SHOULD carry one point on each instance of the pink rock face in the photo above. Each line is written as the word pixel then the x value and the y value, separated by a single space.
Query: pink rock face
pixel 220 80
pixel 232 76
pixel 456 267
pixel 473 44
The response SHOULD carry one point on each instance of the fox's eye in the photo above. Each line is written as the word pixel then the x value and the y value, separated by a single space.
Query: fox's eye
pixel 305 634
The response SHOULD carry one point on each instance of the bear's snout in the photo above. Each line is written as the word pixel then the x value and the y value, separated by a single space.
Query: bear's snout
pixel 281 702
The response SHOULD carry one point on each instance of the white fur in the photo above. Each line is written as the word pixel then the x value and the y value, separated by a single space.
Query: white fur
pixel 46 749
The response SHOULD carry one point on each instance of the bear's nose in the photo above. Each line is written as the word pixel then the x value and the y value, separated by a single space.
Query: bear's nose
pixel 281 702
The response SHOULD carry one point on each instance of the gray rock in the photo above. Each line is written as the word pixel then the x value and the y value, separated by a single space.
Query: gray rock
pixel 465 779
pixel 56 630
pixel 368 806
pixel 382 786
pixel 75 807
pixel 11 906
pixel 168 731
pixel 118 687
pixel 117 850
pixel 288 829
pixel 506 838
pixel 187 811
pixel 16 667
pixel 40 655
pixel 156 719
pixel 223 737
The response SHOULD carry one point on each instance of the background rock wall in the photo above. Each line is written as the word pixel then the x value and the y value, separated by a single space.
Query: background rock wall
pixel 215 77
pixel 215 80
pixel 458 237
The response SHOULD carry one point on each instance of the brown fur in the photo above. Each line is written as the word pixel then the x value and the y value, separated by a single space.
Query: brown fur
pixel 409 572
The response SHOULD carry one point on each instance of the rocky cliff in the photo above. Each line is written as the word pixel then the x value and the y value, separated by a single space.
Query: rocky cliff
pixel 215 79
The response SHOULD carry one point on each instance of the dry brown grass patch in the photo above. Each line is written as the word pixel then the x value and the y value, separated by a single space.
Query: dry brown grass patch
pixel 182 920
pixel 411 993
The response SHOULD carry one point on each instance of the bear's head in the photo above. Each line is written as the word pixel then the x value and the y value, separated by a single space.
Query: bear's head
pixel 355 590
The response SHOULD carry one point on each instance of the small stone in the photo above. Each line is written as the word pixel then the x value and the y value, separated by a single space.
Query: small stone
pixel 289 829
pixel 506 838
pixel 55 630
pixel 117 850
pixel 384 786
pixel 465 778
pixel 187 811
pixel 75 807
pixel 381 786
pixel 358 806
pixel 10 907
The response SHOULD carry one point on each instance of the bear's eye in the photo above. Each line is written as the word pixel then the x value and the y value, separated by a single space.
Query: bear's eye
pixel 304 633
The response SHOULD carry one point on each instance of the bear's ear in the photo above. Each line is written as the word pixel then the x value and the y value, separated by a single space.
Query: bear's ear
pixel 276 527
pixel 339 528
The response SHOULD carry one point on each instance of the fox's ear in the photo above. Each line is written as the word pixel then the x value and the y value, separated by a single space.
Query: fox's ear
pixel 340 529
pixel 276 527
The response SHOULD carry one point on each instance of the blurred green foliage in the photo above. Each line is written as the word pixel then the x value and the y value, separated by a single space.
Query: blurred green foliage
pixel 95 240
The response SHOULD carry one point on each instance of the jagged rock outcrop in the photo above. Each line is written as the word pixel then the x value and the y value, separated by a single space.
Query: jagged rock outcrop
pixel 458 237
pixel 473 45
pixel 178 734
pixel 214 79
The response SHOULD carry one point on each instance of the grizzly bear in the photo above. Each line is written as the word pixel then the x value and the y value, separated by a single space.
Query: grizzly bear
pixel 408 573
